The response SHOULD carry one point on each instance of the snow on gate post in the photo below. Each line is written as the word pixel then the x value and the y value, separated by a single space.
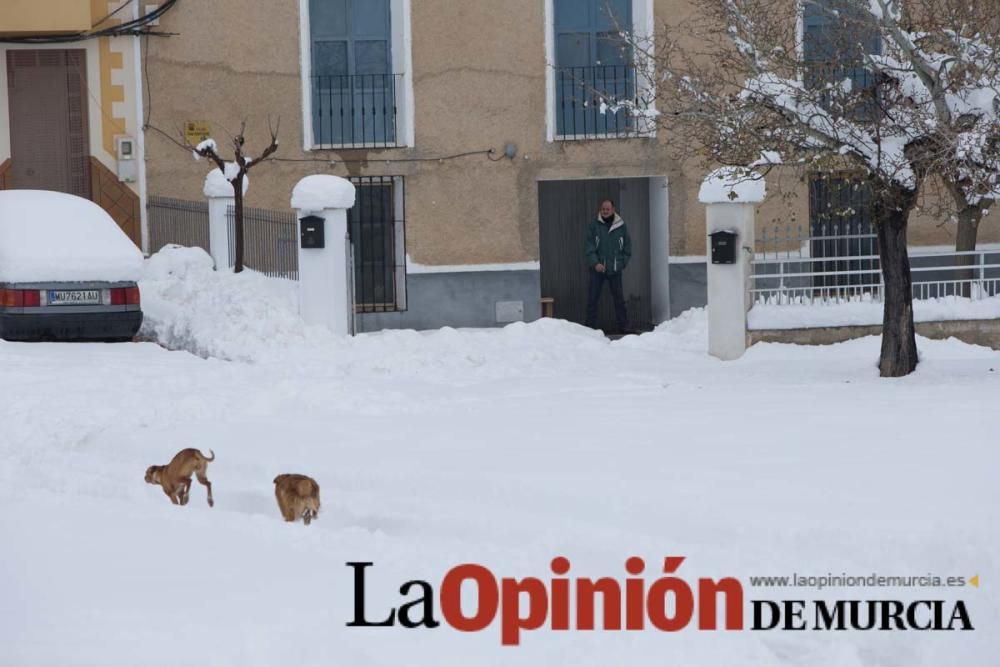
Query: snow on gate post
pixel 219 192
pixel 324 288
pixel 730 196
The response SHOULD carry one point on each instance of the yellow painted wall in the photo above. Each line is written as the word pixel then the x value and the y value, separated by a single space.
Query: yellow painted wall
pixel 44 16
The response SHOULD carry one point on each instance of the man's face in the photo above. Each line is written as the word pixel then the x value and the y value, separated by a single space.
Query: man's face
pixel 607 209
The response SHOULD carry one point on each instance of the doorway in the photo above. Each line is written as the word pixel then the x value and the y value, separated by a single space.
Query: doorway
pixel 565 209
pixel 50 149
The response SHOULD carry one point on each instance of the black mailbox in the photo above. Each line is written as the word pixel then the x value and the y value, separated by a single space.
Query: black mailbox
pixel 311 231
pixel 723 247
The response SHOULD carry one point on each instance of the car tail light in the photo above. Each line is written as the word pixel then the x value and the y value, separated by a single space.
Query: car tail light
pixel 11 298
pixel 122 296
pixel 20 298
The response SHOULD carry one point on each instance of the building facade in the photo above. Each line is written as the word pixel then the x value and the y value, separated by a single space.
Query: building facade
pixel 473 131
pixel 70 103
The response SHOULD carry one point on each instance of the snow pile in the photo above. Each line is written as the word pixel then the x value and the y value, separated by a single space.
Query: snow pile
pixel 732 185
pixel 250 317
pixel 189 306
pixel 867 312
pixel 322 191
pixel 51 236
pixel 218 184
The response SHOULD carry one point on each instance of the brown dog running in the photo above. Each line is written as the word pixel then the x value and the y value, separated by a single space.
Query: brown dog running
pixel 175 477
pixel 298 496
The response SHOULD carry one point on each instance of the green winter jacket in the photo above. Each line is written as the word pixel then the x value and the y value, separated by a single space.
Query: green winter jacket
pixel 608 245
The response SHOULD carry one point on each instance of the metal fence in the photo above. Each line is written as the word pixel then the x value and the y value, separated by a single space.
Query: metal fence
pixel 177 221
pixel 376 226
pixel 270 241
pixel 840 264
pixel 356 110
pixel 596 102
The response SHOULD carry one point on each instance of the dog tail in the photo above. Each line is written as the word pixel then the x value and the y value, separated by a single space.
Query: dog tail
pixel 206 458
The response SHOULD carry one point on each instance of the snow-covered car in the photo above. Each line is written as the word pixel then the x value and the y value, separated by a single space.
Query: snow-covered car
pixel 67 271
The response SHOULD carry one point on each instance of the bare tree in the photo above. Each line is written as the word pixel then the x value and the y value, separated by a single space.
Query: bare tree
pixel 901 98
pixel 235 172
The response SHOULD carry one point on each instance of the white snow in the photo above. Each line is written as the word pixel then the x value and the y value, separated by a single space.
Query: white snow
pixel 503 447
pixel 189 306
pixel 729 185
pixel 207 144
pixel 322 191
pixel 867 312
pixel 51 236
pixel 218 184
pixel 416 267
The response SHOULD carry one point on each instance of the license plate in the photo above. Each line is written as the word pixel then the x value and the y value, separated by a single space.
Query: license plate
pixel 74 297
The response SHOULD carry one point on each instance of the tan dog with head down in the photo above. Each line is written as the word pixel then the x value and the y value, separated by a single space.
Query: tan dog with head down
pixel 175 477
pixel 298 496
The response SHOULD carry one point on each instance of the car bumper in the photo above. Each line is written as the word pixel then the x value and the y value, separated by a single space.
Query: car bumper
pixel 99 326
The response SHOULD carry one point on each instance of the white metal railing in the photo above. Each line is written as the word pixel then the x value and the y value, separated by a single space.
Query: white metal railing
pixel 844 267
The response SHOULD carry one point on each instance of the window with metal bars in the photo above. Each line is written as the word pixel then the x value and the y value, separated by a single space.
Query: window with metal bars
pixel 840 220
pixel 594 69
pixel 377 228
pixel 354 91
pixel 837 35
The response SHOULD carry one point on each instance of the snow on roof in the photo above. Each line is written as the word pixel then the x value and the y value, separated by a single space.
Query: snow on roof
pixel 732 185
pixel 218 184
pixel 51 236
pixel 322 191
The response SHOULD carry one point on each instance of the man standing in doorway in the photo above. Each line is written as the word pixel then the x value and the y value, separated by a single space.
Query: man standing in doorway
pixel 608 250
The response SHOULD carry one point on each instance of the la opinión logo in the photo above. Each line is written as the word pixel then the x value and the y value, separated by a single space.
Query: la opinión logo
pixel 633 602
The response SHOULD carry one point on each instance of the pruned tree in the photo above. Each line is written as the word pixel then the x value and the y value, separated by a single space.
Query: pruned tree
pixel 899 91
pixel 235 172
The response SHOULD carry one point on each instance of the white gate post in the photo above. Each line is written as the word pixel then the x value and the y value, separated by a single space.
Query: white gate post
pixel 324 285
pixel 219 192
pixel 731 196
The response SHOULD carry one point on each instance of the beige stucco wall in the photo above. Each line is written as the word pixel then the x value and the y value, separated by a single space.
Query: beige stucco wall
pixel 479 80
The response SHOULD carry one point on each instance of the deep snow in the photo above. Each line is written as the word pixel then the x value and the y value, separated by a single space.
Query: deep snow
pixel 500 447
pixel 52 236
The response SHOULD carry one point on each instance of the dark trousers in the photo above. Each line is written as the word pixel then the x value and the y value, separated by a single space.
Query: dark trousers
pixel 597 280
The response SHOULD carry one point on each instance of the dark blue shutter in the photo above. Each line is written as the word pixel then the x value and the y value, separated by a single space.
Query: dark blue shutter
pixel 590 56
pixel 354 96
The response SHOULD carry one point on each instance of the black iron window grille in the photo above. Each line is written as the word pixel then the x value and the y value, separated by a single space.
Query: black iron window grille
pixel 841 229
pixel 356 110
pixel 596 102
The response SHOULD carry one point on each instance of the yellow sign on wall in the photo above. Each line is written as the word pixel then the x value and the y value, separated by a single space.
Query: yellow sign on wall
pixel 196 131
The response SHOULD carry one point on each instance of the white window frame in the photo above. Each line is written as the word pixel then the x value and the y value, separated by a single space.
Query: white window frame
pixel 402 63
pixel 643 26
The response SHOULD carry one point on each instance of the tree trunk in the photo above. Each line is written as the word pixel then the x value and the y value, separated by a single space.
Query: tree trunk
pixel 968 228
pixel 899 342
pixel 238 224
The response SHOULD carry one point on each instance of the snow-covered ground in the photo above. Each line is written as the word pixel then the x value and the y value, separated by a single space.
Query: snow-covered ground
pixel 502 447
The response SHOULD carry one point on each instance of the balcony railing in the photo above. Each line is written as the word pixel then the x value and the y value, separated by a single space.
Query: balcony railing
pixel 356 110
pixel 596 102
pixel 859 102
